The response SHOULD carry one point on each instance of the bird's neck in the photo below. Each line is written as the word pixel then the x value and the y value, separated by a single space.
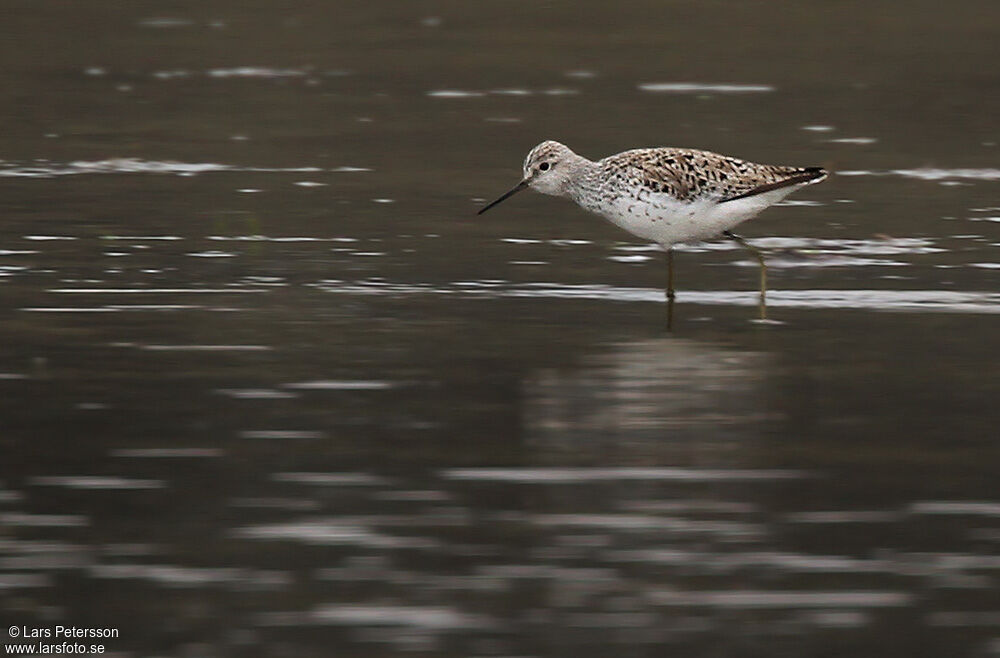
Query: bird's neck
pixel 579 174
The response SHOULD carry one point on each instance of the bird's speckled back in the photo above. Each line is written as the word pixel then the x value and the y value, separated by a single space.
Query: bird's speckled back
pixel 690 174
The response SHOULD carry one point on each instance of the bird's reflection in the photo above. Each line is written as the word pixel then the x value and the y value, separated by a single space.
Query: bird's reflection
pixel 651 401
pixel 650 504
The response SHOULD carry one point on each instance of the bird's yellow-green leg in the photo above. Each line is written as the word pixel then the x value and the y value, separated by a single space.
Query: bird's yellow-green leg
pixel 670 289
pixel 763 269
pixel 670 273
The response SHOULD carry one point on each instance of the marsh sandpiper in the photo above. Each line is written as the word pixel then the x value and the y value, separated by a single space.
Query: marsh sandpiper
pixel 666 195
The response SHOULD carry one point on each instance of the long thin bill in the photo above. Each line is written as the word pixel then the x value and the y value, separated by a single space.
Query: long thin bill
pixel 517 188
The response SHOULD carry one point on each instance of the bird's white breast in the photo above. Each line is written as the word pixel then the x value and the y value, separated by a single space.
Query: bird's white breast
pixel 663 219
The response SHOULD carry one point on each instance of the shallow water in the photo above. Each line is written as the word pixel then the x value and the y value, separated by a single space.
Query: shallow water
pixel 270 388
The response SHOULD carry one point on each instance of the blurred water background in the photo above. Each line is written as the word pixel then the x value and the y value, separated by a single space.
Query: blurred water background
pixel 269 388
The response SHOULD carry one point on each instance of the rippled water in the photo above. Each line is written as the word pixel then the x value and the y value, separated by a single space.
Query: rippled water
pixel 268 387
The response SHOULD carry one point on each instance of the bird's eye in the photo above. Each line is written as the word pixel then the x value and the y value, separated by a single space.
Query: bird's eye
pixel 544 166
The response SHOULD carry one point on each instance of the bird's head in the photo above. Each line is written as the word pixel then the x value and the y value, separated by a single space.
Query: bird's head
pixel 547 169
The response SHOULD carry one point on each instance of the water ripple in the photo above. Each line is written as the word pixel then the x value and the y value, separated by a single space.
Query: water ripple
pixel 46 169
pixel 579 475
pixel 930 173
pixel 697 88
pixel 434 618
pixel 96 482
pixel 331 531
pixel 877 300
pixel 750 599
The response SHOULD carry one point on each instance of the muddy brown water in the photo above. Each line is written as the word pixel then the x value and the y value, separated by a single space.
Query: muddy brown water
pixel 268 387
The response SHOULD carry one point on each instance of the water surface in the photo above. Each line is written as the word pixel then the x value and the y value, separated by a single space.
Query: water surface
pixel 270 388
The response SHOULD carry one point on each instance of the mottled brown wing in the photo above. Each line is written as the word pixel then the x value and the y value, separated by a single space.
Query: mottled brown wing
pixel 785 177
pixel 689 174
pixel 650 169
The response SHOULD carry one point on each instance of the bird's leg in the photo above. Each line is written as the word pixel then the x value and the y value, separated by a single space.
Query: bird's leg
pixel 670 289
pixel 763 269
pixel 670 273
